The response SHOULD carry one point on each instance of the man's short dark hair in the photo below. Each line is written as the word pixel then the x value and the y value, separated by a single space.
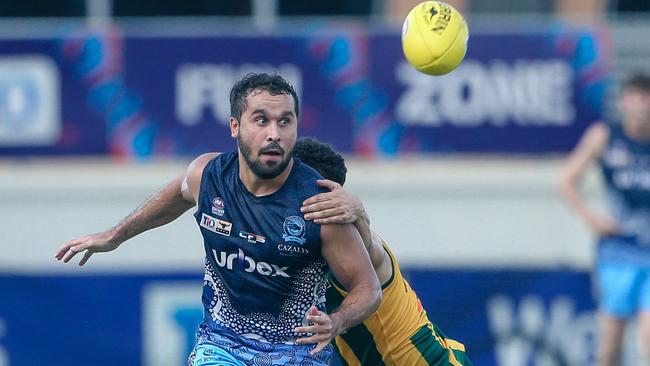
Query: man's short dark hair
pixel 322 158
pixel 272 83
pixel 638 81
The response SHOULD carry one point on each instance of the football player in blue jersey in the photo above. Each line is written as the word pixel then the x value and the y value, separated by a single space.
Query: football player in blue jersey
pixel 623 262
pixel 265 266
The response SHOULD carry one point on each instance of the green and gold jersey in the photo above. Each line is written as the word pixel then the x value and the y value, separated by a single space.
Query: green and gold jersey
pixel 398 333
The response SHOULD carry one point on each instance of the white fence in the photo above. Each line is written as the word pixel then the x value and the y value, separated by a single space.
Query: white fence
pixel 444 212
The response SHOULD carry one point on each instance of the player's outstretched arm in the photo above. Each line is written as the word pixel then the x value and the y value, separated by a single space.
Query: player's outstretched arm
pixel 590 147
pixel 349 262
pixel 161 208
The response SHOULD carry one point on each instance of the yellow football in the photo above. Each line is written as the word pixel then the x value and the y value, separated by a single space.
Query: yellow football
pixel 434 37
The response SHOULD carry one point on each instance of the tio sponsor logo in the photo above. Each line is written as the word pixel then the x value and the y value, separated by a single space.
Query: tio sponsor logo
pixel 215 225
pixel 524 93
pixel 529 333
pixel 29 101
pixel 205 86
pixel 248 264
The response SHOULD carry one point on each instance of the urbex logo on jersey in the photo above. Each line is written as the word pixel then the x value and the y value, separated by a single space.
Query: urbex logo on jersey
pixel 248 264
pixel 216 225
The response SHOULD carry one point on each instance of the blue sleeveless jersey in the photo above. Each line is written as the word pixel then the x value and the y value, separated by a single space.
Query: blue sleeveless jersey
pixel 625 165
pixel 264 267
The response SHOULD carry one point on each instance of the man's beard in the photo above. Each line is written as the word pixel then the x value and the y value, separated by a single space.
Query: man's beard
pixel 269 170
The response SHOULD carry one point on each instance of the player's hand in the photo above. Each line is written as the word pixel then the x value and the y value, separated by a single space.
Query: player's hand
pixel 100 242
pixel 322 329
pixel 604 225
pixel 334 207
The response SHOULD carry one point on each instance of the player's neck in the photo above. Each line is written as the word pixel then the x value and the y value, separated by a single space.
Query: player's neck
pixel 262 187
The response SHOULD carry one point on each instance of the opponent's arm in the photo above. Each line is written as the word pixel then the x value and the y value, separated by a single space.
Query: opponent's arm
pixel 339 207
pixel 161 208
pixel 590 147
pixel 343 250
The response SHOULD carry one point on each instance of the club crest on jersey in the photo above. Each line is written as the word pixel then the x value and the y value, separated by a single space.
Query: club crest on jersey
pixel 252 238
pixel 218 206
pixel 294 229
pixel 216 225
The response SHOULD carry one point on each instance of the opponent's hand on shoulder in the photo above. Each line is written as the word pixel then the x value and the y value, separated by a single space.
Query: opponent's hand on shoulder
pixel 322 328
pixel 333 207
pixel 89 244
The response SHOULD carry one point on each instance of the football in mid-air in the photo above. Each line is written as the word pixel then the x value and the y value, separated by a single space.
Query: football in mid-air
pixel 434 37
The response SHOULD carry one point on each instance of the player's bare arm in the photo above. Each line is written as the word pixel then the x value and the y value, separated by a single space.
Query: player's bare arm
pixel 590 147
pixel 163 207
pixel 344 252
pixel 192 181
pixel 340 207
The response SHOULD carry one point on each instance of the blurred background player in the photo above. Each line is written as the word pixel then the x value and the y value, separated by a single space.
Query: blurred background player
pixel 623 266
pixel 265 267
pixel 399 333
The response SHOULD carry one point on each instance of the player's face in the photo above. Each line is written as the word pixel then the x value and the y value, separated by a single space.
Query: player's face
pixel 267 132
pixel 635 107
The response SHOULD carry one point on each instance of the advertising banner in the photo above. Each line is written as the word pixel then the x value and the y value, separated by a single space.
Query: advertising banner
pixel 89 92
pixel 504 317
pixel 43 109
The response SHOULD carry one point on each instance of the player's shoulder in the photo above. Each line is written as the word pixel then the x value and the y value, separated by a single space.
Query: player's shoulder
pixel 200 162
pixel 305 170
pixel 599 129
pixel 197 166
pixel 193 176
pixel 597 134
pixel 308 177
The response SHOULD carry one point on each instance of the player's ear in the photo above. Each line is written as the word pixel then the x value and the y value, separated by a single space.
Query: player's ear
pixel 234 127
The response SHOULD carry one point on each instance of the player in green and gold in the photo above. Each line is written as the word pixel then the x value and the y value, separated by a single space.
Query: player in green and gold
pixel 399 332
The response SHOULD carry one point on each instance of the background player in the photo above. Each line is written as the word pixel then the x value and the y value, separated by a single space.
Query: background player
pixel 265 266
pixel 399 333
pixel 623 270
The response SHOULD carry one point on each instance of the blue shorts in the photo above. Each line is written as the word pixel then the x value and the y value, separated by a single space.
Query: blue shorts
pixel 224 347
pixel 624 288
pixel 208 354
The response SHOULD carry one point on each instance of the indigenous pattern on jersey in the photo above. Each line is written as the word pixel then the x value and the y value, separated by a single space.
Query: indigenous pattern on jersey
pixel 625 166
pixel 398 333
pixel 264 267
pixel 224 347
